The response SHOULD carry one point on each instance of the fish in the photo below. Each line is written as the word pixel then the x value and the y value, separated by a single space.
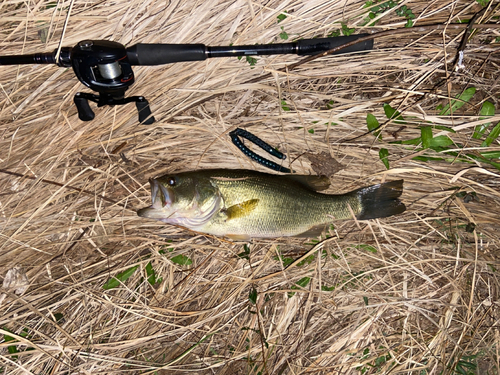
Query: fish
pixel 244 204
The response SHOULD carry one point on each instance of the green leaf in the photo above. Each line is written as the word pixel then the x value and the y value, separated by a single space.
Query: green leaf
pixel 445 128
pixel 413 141
pixel 24 332
pixel 251 60
pixel 334 34
pixel 440 141
pixel 283 34
pixel 383 155
pixel 12 349
pixel 58 316
pixel 287 261
pixel 301 283
pixel 182 260
pixel 152 277
pixel 252 296
pixel 309 259
pixel 491 154
pixel 246 252
pixel 458 103
pixel 366 247
pixel 365 299
pixel 281 17
pixel 487 109
pixel 325 288
pixel 427 158
pixel 495 132
pixel 372 123
pixel 114 282
pixel 426 136
pixel 284 106
pixel 311 131
pixel 391 113
pixel 346 30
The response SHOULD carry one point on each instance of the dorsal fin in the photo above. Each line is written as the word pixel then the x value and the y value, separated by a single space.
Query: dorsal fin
pixel 316 183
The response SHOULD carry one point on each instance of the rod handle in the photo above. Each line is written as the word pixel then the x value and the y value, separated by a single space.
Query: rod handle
pixel 158 54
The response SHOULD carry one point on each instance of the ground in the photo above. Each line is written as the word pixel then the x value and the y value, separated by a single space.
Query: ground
pixel 90 288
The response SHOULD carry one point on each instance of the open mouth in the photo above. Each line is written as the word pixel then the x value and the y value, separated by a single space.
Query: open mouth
pixel 160 196
pixel 161 200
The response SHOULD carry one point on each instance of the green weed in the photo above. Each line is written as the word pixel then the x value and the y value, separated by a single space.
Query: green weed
pixel 152 277
pixel 487 110
pixel 246 252
pixel 249 59
pixel 344 30
pixel 458 103
pixel 376 364
pixel 284 106
pixel 383 154
pixel 377 8
pixel 443 144
pixel 302 283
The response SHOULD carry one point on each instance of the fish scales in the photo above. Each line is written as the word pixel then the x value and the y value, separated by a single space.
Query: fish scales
pixel 242 204
pixel 285 208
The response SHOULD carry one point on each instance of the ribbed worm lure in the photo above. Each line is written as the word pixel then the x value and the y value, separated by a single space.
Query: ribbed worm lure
pixel 238 132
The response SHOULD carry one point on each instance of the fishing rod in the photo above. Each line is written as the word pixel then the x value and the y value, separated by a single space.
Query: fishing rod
pixel 106 67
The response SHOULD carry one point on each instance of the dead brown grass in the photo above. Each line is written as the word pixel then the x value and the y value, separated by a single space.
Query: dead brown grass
pixel 412 294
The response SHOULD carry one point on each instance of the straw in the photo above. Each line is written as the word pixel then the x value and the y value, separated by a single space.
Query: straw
pixel 413 294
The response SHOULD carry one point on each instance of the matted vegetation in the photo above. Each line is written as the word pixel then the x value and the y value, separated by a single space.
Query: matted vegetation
pixel 108 292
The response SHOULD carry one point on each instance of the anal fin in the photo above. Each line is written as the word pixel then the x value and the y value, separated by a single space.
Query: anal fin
pixel 238 237
pixel 314 231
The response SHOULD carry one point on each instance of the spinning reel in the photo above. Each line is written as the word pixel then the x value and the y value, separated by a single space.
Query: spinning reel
pixel 106 67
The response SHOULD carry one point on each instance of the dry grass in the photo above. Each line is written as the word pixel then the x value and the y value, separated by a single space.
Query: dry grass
pixel 412 294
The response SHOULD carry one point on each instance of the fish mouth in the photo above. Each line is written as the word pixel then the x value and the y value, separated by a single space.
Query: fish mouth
pixel 161 199
pixel 160 196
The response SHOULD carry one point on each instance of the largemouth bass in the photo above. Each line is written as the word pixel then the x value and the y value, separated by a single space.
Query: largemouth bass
pixel 243 204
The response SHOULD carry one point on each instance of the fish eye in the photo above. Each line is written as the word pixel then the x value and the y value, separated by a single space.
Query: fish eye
pixel 171 181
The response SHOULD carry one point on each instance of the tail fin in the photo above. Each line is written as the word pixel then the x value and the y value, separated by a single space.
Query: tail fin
pixel 380 200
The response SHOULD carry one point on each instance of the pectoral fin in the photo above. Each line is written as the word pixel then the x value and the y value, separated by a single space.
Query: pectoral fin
pixel 241 209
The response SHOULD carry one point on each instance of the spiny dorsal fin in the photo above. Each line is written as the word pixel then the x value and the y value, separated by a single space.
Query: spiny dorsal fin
pixel 241 209
pixel 316 183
